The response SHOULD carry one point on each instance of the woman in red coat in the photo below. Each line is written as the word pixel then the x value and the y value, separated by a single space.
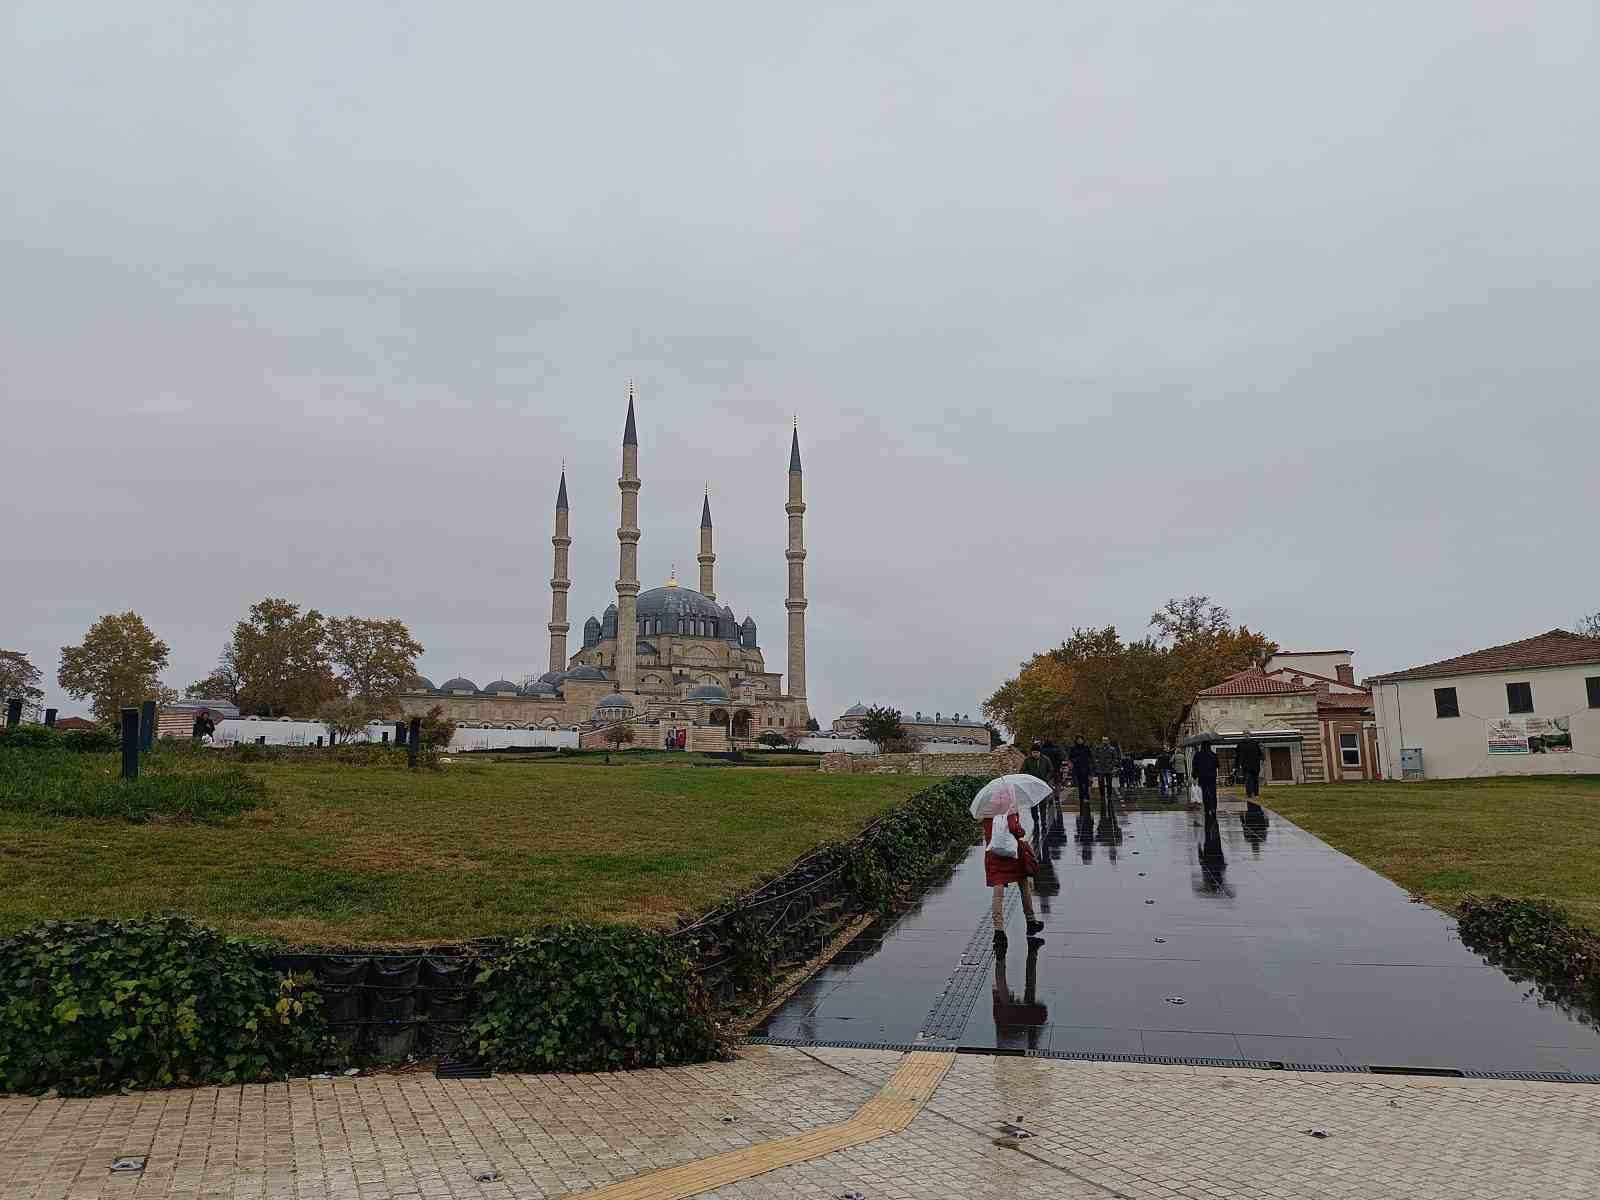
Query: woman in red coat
pixel 998 870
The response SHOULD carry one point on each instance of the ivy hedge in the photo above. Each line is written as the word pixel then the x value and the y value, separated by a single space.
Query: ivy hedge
pixel 48 737
pixel 590 998
pixel 1541 938
pixel 94 1006
pixel 901 852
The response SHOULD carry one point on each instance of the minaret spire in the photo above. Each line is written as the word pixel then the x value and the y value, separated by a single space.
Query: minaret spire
pixel 707 557
pixel 560 584
pixel 796 602
pixel 628 558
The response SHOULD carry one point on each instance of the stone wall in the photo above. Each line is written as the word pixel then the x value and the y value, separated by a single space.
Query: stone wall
pixel 1007 761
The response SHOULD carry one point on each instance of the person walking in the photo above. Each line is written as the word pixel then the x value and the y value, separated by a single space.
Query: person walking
pixel 1248 755
pixel 1056 757
pixel 999 870
pixel 1105 765
pixel 1081 759
pixel 1164 772
pixel 1205 774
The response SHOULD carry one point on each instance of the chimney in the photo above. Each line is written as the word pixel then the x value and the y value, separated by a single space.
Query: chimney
pixel 1346 674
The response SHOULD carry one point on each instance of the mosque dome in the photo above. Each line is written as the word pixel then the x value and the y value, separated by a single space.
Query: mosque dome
pixel 708 691
pixel 458 684
pixel 552 677
pixel 856 710
pixel 540 687
pixel 420 683
pixel 675 600
pixel 615 703
pixel 501 685
pixel 584 673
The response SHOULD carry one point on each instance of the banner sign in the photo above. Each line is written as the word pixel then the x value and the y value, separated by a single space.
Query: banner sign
pixel 1530 735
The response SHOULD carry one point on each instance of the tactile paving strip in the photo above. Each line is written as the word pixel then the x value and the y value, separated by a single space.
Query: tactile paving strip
pixel 947 1019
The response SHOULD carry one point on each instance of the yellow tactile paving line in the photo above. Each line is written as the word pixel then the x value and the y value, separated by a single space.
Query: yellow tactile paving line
pixel 890 1111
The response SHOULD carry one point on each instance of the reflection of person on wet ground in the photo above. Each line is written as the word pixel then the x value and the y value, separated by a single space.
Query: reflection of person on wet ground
pixel 1013 1017
pixel 1255 825
pixel 999 870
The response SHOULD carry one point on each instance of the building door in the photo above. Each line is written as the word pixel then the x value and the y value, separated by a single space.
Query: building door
pixel 1282 763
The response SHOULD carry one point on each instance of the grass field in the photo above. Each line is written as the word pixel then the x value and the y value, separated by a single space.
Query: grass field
pixel 1519 837
pixel 341 856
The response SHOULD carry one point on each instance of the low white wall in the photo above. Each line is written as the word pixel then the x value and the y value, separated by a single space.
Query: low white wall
pixel 306 733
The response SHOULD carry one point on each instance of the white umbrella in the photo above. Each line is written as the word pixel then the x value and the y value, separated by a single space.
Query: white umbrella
pixel 1010 793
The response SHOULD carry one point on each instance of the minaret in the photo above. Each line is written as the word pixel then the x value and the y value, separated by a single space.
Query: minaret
pixel 796 554
pixel 559 583
pixel 707 557
pixel 628 567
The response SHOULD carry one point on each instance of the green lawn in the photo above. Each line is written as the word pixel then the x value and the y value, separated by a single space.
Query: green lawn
pixel 348 856
pixel 1519 837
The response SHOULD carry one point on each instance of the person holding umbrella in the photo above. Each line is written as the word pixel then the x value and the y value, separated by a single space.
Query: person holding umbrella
pixel 1004 806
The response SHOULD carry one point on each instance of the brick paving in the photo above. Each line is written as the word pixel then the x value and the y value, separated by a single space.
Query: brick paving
pixel 1101 1130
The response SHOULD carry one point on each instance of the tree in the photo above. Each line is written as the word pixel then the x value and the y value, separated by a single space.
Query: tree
pixel 812 726
pixel 117 665
pixel 345 719
pixel 19 678
pixel 996 740
pixel 772 739
pixel 221 684
pixel 1202 648
pixel 375 658
pixel 619 735
pixel 437 729
pixel 882 725
pixel 279 655
pixel 1589 626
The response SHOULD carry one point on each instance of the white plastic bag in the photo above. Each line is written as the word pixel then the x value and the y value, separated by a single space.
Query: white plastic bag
pixel 1196 796
pixel 1001 842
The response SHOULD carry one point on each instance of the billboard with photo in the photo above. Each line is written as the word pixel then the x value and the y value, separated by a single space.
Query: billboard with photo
pixel 1529 735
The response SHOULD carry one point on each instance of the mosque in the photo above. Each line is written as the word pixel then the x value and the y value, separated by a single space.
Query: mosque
pixel 667 657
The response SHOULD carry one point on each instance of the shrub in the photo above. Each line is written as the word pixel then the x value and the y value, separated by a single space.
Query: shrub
pixel 171 783
pixel 94 1006
pixel 1537 936
pixel 903 849
pixel 45 737
pixel 590 998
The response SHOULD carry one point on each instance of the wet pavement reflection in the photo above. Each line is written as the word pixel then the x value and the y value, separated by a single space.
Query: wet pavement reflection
pixel 1237 937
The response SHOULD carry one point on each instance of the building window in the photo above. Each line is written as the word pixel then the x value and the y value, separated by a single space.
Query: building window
pixel 1350 749
pixel 1593 684
pixel 1444 703
pixel 1519 697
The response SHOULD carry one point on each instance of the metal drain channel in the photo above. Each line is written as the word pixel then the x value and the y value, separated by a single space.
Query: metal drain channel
pixel 1176 1060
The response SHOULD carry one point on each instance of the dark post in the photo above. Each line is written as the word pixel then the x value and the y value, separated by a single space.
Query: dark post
pixel 319 743
pixel 147 724
pixel 414 742
pixel 13 712
pixel 50 716
pixel 130 743
pixel 385 737
pixel 399 733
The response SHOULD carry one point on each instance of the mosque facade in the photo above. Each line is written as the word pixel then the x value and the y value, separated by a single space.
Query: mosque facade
pixel 665 657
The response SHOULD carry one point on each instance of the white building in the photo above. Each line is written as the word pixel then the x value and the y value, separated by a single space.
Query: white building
pixel 1526 708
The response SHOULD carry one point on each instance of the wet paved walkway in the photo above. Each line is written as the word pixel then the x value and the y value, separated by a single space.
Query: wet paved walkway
pixel 1289 952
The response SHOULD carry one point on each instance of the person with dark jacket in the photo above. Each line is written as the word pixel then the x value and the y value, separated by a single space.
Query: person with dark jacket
pixel 1082 760
pixel 1247 754
pixel 1164 772
pixel 1053 752
pixel 1106 759
pixel 1205 774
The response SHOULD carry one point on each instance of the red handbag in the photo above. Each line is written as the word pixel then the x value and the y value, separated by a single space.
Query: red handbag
pixel 1028 860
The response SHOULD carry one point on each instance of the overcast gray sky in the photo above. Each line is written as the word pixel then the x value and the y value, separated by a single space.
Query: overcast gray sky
pixel 1080 306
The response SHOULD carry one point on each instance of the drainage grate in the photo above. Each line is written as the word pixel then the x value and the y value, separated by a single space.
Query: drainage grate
pixel 462 1070
pixel 1437 1072
pixel 947 1019
pixel 1535 1076
pixel 840 1044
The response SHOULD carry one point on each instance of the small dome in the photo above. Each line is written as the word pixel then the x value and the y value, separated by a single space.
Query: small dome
pixel 708 691
pixel 420 683
pixel 539 687
pixel 501 685
pixel 585 673
pixel 856 710
pixel 552 677
pixel 614 702
pixel 644 647
pixel 458 684
pixel 748 623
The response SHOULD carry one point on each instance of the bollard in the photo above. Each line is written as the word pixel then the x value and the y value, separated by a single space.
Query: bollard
pixel 261 741
pixel 13 713
pixel 385 737
pixel 319 743
pixel 130 743
pixel 50 717
pixel 414 742
pixel 399 733
pixel 147 724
